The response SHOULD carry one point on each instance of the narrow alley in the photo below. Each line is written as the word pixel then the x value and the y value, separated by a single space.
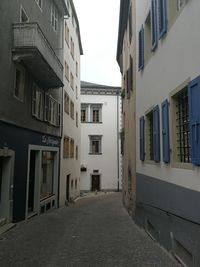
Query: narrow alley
pixel 94 231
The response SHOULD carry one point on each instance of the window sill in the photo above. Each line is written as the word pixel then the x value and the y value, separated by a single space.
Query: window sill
pixel 95 153
pixel 181 165
pixel 92 122
pixel 152 162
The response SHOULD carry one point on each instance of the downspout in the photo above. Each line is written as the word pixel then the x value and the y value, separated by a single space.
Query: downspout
pixel 118 141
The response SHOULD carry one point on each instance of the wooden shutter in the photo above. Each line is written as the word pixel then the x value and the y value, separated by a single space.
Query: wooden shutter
pixel 162 17
pixel 142 143
pixel 154 34
pixel 141 49
pixel 165 131
pixel 194 118
pixel 156 134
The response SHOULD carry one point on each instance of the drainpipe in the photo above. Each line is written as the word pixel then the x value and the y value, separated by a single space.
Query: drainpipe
pixel 118 141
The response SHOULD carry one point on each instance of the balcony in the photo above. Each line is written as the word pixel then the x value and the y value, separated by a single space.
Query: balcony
pixel 33 49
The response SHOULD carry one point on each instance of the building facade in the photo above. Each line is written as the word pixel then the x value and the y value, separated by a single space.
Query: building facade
pixel 126 60
pixel 30 106
pixel 70 151
pixel 100 140
pixel 167 125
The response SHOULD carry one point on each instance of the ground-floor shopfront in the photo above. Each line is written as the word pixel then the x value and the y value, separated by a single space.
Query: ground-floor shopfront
pixel 29 173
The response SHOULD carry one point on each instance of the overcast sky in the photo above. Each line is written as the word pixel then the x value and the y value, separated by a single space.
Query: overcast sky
pixel 98 20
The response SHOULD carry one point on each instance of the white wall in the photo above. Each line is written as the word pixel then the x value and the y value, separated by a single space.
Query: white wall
pixel 176 59
pixel 107 162
pixel 71 166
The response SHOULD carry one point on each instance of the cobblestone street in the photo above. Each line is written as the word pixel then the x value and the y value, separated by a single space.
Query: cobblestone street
pixel 95 231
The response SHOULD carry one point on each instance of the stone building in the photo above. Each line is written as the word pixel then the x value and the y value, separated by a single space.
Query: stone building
pixel 70 152
pixel 167 123
pixel 31 83
pixel 100 139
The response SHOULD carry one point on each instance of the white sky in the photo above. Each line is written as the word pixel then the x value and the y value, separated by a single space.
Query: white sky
pixel 98 21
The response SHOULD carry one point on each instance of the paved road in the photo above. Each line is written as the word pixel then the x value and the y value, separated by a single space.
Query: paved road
pixel 93 232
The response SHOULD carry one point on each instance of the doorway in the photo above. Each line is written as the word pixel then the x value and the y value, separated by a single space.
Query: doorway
pixel 6 186
pixel 67 187
pixel 95 182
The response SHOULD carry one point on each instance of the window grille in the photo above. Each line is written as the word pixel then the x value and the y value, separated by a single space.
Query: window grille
pixel 182 127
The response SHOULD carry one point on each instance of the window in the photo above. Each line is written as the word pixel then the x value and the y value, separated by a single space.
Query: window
pixel 149 136
pixel 84 113
pixel 165 131
pixel 76 184
pixel 76 92
pixel 71 148
pixel 23 17
pixel 153 135
pixel 19 82
pixel 162 17
pixel 37 102
pixel 154 34
pixel 72 47
pixel 95 144
pixel 76 119
pixel 46 184
pixel 180 4
pixel 66 71
pixel 95 113
pixel 66 33
pixel 66 105
pixel 76 69
pixel 141 49
pixel 66 147
pixel 147 38
pixel 71 80
pixel 39 2
pixel 76 152
pixel 194 118
pixel 54 17
pixel 72 109
pixel 142 140
pixel 182 129
pixel 130 24
pixel 52 110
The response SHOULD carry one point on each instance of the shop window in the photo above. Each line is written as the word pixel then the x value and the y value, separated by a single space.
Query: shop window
pixel 47 177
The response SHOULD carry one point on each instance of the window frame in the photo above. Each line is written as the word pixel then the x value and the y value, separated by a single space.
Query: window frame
pixel 95 138
pixel 37 1
pixel 54 17
pixel 22 82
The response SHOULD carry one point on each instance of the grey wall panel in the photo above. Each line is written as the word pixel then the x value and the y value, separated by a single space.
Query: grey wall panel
pixel 168 197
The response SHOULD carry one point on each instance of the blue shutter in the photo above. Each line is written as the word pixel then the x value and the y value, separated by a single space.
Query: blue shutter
pixel 154 34
pixel 141 49
pixel 194 118
pixel 142 150
pixel 165 131
pixel 156 134
pixel 162 17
